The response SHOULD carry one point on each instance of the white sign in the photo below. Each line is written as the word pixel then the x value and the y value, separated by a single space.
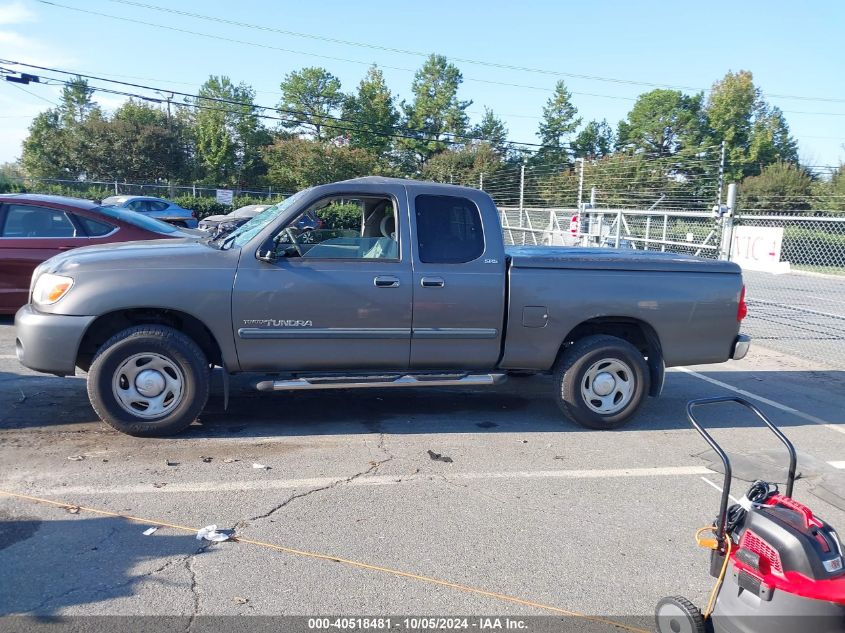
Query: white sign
pixel 225 196
pixel 759 248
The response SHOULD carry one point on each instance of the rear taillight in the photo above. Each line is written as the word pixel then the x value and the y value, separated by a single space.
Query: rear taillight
pixel 742 310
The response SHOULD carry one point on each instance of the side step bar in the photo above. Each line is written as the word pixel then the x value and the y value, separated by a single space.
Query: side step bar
pixel 381 382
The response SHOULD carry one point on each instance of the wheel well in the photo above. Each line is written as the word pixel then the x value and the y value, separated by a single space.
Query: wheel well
pixel 107 325
pixel 638 333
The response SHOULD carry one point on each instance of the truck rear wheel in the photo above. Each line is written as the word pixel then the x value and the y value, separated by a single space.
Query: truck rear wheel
pixel 149 380
pixel 601 381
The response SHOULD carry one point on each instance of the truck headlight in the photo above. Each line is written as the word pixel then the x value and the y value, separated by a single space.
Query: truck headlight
pixel 50 288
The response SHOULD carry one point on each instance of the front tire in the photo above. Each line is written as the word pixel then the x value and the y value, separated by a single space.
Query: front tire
pixel 149 380
pixel 676 614
pixel 601 381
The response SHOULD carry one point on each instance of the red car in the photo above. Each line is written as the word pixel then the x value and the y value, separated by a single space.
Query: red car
pixel 33 228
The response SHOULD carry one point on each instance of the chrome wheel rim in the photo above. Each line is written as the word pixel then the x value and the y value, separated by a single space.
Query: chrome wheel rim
pixel 148 385
pixel 607 386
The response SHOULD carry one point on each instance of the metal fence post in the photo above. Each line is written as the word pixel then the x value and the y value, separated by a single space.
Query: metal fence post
pixel 618 226
pixel 647 230
pixel 721 175
pixel 728 224
pixel 580 183
pixel 665 226
pixel 521 196
pixel 115 187
pixel 194 190
pixel 481 180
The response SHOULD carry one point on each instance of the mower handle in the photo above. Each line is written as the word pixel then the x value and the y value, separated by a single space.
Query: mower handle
pixel 726 486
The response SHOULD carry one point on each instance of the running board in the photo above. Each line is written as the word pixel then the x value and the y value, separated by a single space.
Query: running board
pixel 381 382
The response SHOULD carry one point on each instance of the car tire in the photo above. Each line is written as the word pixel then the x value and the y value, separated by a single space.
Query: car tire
pixel 149 380
pixel 600 381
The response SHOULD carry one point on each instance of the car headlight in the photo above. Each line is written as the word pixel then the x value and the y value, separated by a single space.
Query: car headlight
pixel 50 288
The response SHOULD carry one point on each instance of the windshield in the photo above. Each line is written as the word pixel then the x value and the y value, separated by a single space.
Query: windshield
pixel 137 219
pixel 249 230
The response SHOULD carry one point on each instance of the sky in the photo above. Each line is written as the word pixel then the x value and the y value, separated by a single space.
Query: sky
pixel 606 52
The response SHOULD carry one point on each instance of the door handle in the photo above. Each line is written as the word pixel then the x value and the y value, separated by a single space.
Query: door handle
pixel 432 282
pixel 386 282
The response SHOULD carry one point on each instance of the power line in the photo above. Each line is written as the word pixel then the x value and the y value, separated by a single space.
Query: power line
pixel 410 133
pixel 463 60
pixel 19 87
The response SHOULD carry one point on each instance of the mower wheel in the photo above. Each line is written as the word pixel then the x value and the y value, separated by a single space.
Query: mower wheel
pixel 676 614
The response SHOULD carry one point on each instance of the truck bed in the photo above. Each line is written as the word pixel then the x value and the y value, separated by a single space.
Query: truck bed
pixel 612 259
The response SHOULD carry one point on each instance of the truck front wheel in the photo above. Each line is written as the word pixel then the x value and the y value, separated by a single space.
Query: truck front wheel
pixel 149 380
pixel 601 381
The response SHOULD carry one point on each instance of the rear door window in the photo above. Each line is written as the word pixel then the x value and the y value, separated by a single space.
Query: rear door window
pixel 449 230
pixel 94 228
pixel 157 205
pixel 30 221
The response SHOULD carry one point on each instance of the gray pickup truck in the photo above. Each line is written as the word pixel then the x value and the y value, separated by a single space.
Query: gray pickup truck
pixel 405 284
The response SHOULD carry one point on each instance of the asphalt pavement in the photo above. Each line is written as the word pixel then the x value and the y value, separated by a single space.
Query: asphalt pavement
pixel 384 502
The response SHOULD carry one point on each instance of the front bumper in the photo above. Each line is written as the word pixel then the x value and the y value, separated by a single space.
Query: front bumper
pixel 49 342
pixel 740 347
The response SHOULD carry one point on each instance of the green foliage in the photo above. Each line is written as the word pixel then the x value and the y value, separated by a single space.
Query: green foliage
pixel 662 123
pixel 559 121
pixel 493 130
pixel 780 187
pixel 830 194
pixel 229 136
pixel 312 96
pixel 594 141
pixel 465 164
pixel 375 114
pixel 756 134
pixel 822 245
pixel 297 163
pixel 436 114
pixel 341 215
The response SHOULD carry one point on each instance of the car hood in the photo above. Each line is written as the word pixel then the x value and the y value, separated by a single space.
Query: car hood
pixel 164 254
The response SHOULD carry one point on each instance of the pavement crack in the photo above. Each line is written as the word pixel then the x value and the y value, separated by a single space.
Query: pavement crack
pixel 373 467
pixel 189 565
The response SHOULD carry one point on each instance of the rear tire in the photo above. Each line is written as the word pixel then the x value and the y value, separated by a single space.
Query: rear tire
pixel 601 381
pixel 676 614
pixel 149 380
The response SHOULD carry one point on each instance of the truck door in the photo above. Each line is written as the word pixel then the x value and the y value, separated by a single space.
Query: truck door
pixel 459 281
pixel 338 296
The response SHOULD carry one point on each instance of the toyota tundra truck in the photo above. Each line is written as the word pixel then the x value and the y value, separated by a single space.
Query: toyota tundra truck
pixel 406 284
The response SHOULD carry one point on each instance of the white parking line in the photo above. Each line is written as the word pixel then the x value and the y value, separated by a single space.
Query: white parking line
pixel 837 464
pixel 710 483
pixel 771 403
pixel 8 356
pixel 375 480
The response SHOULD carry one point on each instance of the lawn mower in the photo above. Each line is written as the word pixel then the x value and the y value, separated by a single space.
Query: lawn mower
pixel 778 567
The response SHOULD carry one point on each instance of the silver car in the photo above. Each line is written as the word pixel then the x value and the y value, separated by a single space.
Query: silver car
pixel 232 220
pixel 155 208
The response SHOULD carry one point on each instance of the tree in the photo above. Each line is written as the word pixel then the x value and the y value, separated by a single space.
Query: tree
pixel 229 135
pixel 77 105
pixel 374 113
pixel 493 131
pixel 770 140
pixel 662 123
pixel 310 99
pixel 464 165
pixel 297 163
pixel 594 141
pixel 436 115
pixel 559 121
pixel 830 194
pixel 45 151
pixel 780 186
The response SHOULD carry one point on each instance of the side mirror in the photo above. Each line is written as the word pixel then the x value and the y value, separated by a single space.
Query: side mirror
pixel 267 253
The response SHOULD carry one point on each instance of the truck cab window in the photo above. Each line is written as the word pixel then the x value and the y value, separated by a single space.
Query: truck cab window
pixel 448 230
pixel 361 227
